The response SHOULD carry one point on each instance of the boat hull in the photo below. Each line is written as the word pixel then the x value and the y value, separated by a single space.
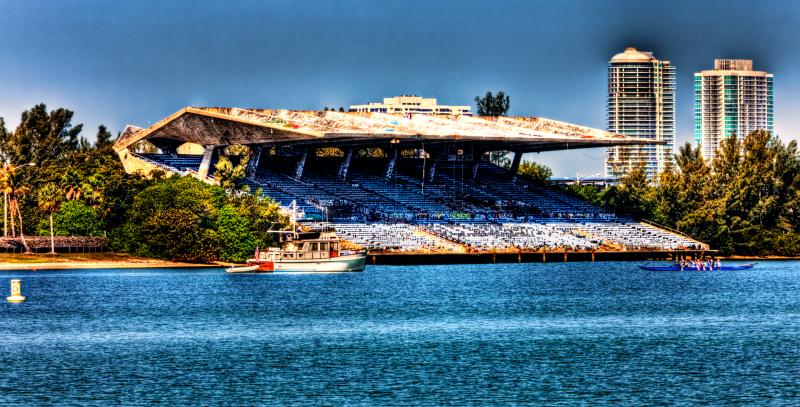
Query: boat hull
pixel 674 268
pixel 347 263
pixel 351 262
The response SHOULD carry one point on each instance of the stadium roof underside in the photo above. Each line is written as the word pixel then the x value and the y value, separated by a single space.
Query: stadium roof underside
pixel 227 126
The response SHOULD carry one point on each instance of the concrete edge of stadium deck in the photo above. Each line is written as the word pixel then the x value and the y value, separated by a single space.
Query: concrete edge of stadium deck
pixel 552 256
pixel 215 127
pixel 225 126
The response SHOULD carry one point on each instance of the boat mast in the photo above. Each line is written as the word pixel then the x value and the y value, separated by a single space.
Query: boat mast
pixel 294 218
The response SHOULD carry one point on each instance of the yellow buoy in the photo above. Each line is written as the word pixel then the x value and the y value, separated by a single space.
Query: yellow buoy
pixel 16 292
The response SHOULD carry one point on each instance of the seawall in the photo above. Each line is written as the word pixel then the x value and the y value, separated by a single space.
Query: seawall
pixel 402 259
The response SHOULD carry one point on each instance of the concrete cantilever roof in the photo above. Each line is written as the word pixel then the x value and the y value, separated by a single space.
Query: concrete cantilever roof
pixel 225 126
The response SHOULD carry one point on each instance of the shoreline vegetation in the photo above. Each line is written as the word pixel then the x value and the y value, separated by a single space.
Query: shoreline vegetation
pixel 746 201
pixel 102 260
pixel 58 184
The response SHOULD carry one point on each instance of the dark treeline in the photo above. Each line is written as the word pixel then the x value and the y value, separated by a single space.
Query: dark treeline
pixel 60 184
pixel 745 202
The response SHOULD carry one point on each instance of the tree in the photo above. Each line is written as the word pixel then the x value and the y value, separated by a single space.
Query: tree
pixel 75 218
pixel 263 215
pixel 230 177
pixel 726 164
pixel 634 193
pixel 666 196
pixel 49 199
pixel 500 158
pixel 493 105
pixel 103 138
pixel 371 152
pixel 11 181
pixel 173 219
pixel 535 171
pixel 236 240
pixel 144 146
pixel 41 136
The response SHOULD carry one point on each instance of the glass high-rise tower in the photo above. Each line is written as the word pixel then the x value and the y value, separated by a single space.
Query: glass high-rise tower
pixel 641 103
pixel 730 100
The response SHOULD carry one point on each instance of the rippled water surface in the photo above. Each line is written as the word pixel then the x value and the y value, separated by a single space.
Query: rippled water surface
pixel 483 334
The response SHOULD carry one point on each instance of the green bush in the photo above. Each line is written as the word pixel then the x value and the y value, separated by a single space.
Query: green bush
pixel 75 218
pixel 236 242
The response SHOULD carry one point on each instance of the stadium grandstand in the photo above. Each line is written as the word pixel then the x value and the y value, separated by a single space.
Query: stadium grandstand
pixel 402 182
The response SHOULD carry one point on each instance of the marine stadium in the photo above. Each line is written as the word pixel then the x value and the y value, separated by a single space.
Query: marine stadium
pixel 404 183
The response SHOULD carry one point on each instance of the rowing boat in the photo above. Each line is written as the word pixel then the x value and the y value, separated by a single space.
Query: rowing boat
pixel 690 268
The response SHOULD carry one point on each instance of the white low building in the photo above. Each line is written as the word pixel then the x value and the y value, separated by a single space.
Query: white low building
pixel 411 104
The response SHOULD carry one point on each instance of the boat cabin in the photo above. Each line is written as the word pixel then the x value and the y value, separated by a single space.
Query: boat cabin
pixel 321 247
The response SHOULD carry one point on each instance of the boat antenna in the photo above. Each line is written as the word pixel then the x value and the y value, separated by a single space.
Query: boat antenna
pixel 294 217
pixel 423 168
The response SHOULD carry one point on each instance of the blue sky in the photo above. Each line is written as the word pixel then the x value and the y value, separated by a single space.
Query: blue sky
pixel 120 62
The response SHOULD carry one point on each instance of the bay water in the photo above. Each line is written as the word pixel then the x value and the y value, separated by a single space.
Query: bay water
pixel 567 333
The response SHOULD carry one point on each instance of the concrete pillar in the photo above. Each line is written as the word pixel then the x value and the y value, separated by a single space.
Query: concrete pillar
pixel 515 164
pixel 392 162
pixel 252 166
pixel 205 164
pixel 432 171
pixel 345 164
pixel 298 170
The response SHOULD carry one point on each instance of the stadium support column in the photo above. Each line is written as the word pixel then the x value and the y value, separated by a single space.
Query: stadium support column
pixel 432 171
pixel 392 161
pixel 345 164
pixel 515 165
pixel 205 164
pixel 252 166
pixel 301 163
pixel 476 155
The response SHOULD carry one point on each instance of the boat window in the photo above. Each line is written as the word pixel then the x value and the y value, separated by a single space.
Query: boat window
pixel 323 246
pixel 299 255
pixel 314 246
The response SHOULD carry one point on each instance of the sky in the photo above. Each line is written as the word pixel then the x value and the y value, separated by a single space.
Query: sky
pixel 135 62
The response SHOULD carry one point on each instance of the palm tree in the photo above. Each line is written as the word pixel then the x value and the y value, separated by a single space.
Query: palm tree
pixel 11 184
pixel 92 190
pixel 73 184
pixel 49 200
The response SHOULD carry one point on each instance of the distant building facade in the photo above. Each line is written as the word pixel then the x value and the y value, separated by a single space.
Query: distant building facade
pixel 641 103
pixel 730 100
pixel 411 104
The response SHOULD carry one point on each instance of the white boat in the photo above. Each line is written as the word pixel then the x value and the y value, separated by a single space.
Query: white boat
pixel 242 269
pixel 305 252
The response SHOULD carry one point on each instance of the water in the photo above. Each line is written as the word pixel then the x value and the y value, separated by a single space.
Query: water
pixel 570 333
